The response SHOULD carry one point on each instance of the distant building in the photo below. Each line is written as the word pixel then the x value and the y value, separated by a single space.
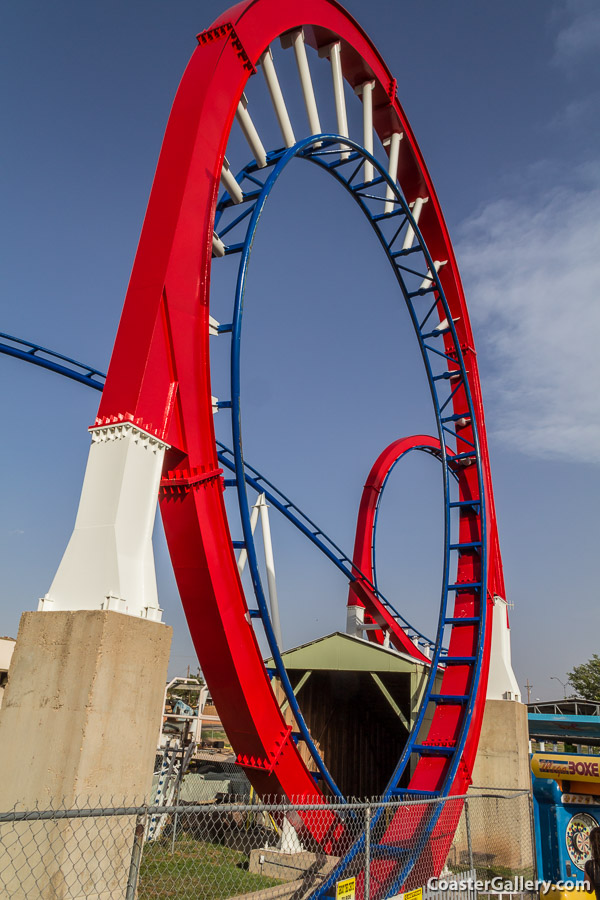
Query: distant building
pixel 7 645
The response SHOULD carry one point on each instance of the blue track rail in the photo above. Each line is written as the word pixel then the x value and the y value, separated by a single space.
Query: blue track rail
pixel 316 535
pixel 94 378
pixel 423 295
pixel 48 359
pixel 419 285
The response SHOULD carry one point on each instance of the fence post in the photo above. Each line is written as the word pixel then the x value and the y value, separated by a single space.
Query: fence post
pixel 469 842
pixel 532 832
pixel 367 890
pixel 136 857
pixel 176 816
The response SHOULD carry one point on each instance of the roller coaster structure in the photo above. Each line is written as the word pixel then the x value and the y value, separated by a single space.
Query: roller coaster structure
pixel 158 393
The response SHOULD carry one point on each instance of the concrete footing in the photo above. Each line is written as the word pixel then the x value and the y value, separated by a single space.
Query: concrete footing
pixel 78 726
pixel 503 754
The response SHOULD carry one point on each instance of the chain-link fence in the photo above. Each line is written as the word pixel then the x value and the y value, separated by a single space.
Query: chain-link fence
pixel 455 849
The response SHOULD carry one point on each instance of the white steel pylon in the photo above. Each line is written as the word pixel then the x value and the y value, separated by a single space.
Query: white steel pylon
pixel 109 560
pixel 502 683
pixel 261 509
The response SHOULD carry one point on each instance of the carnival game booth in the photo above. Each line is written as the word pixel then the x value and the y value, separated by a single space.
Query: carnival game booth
pixel 566 798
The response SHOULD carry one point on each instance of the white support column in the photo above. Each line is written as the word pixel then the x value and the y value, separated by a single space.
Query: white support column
pixel 295 39
pixel 366 90
pixel 393 142
pixel 333 51
pixel 416 209
pixel 443 327
pixel 230 184
pixel 289 841
pixel 270 564
pixel 274 87
pixel 109 561
pixel 202 698
pixel 425 650
pixel 218 247
pixel 502 684
pixel 437 265
pixel 355 620
pixel 243 557
pixel 250 133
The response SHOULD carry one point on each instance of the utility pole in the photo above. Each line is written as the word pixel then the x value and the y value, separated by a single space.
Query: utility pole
pixel 528 687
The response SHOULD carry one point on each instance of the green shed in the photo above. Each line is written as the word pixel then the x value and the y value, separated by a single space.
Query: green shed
pixel 359 701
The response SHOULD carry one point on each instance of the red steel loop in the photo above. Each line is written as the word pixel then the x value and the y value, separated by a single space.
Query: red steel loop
pixel 159 372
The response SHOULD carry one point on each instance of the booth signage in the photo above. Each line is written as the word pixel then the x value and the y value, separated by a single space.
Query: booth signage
pixel 564 766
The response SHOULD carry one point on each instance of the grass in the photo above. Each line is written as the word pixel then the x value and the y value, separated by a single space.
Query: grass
pixel 196 870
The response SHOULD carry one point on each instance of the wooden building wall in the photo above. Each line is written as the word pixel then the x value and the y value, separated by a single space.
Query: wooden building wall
pixel 359 735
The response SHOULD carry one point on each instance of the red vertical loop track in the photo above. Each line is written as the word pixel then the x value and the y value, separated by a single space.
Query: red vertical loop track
pixel 159 374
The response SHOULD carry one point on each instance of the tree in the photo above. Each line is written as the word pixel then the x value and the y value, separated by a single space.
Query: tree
pixel 586 678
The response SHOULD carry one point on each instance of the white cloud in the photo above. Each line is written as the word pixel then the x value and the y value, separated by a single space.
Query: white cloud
pixel 531 267
pixel 582 33
pixel 576 113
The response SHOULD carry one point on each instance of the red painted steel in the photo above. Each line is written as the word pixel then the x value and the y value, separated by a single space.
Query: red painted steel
pixel 360 592
pixel 159 375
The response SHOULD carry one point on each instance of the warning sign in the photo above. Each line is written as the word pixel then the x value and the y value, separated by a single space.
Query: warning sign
pixel 417 894
pixel 346 889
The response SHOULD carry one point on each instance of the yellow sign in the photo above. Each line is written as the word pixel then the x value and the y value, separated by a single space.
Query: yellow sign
pixel 346 889
pixel 417 894
pixel 566 767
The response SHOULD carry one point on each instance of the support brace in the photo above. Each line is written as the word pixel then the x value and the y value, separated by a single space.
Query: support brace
pixel 109 561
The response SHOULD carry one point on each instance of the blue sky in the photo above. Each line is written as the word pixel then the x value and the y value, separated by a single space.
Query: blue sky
pixel 503 100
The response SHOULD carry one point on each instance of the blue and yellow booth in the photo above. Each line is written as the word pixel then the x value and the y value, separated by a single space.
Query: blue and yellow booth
pixel 566 800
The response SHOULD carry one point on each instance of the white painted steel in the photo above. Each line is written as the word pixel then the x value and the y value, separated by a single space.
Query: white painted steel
pixel 289 842
pixel 425 649
pixel 250 133
pixel 366 91
pixel 416 209
pixel 213 326
pixel 218 247
pixel 243 557
pixel 393 142
pixel 444 326
pixel 437 264
pixel 333 51
pixel 270 564
pixel 355 620
pixel 502 683
pixel 295 39
pixel 274 87
pixel 230 184
pixel 109 560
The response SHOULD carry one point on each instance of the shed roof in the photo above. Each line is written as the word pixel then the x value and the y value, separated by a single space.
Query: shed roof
pixel 346 653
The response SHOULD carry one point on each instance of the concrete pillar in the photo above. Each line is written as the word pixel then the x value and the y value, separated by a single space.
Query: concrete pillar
pixel 503 757
pixel 80 719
